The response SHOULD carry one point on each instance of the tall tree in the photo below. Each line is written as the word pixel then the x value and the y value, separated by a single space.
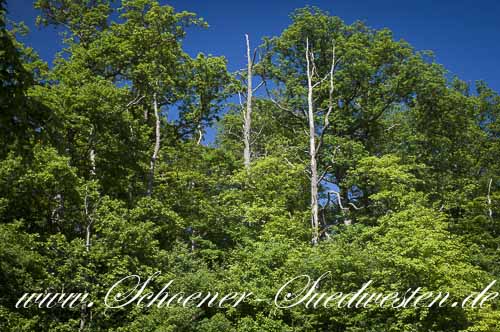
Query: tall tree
pixel 338 93
pixel 247 114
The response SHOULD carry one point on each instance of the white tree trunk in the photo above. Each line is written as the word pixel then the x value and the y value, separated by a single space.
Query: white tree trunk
pixel 490 212
pixel 247 118
pixel 156 147
pixel 88 228
pixel 200 135
pixel 92 161
pixel 84 311
pixel 312 151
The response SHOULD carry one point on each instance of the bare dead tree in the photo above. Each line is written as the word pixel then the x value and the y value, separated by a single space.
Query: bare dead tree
pixel 156 149
pixel 314 134
pixel 248 108
pixel 315 138
pixel 247 114
pixel 312 149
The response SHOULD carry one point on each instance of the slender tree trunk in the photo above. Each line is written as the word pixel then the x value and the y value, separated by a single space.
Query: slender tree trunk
pixel 89 219
pixel 82 317
pixel 92 161
pixel 200 135
pixel 193 242
pixel 88 232
pixel 247 121
pixel 88 229
pixel 312 151
pixel 490 213
pixel 156 147
pixel 92 153
pixel 92 177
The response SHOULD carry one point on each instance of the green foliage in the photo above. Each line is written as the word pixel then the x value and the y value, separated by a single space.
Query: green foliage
pixel 409 198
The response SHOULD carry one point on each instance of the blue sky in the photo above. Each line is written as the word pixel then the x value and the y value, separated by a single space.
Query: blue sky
pixel 464 35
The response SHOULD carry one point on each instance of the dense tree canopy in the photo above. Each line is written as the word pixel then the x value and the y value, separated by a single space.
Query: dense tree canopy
pixel 104 173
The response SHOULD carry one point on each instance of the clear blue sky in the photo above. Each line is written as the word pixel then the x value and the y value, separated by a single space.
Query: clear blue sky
pixel 464 35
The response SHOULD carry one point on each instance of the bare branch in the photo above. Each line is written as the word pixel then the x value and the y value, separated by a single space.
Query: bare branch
pixel 322 80
pixel 135 101
pixel 354 206
pixel 156 150
pixel 392 126
pixel 326 122
pixel 339 201
pixel 258 134
pixel 280 106
pixel 329 167
pixel 254 56
pixel 258 86
pixel 240 100
pixel 269 94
